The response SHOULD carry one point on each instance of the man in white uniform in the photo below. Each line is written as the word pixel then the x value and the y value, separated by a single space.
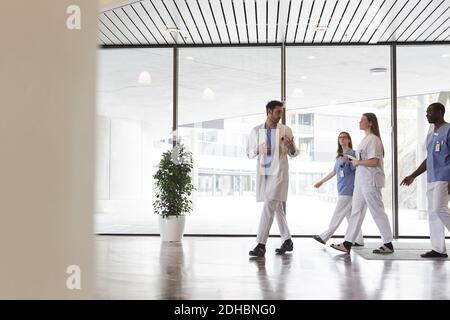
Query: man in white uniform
pixel 437 166
pixel 270 143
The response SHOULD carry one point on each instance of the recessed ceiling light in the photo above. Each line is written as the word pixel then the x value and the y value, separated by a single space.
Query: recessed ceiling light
pixel 311 57
pixel 189 58
pixel 173 30
pixel 303 77
pixel 298 93
pixel 208 94
pixel 145 78
pixel 445 55
pixel 321 28
pixel 378 71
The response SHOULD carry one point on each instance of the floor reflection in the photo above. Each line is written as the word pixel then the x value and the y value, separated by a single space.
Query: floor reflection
pixel 273 286
pixel 171 261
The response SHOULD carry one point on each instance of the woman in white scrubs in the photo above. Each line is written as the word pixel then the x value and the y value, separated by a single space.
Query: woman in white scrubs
pixel 345 172
pixel 369 179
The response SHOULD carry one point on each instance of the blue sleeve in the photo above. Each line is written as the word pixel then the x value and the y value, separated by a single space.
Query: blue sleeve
pixel 448 138
pixel 348 167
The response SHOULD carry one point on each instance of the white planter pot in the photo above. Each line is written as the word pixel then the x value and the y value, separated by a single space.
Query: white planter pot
pixel 171 228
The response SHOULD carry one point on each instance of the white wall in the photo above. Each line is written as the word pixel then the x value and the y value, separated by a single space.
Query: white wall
pixel 47 76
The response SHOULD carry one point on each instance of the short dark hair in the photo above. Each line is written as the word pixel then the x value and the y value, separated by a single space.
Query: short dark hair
pixel 272 105
pixel 439 106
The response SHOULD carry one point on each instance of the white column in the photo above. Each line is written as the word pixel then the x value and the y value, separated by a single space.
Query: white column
pixel 47 98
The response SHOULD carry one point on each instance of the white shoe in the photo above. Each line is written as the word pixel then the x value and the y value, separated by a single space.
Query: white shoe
pixel 383 250
pixel 340 247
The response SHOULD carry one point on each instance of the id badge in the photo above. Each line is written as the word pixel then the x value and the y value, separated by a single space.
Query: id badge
pixel 437 147
pixel 341 173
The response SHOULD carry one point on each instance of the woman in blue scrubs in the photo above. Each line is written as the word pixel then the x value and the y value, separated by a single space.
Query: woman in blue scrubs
pixel 345 173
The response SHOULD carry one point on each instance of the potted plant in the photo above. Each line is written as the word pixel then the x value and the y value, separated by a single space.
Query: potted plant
pixel 173 184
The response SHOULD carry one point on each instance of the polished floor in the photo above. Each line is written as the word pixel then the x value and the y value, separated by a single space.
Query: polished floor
pixel 219 268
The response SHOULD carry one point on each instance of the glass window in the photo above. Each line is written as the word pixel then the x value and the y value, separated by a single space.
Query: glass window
pixel 222 96
pixel 422 76
pixel 134 121
pixel 324 89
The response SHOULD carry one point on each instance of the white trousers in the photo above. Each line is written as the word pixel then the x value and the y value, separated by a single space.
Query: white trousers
pixel 369 196
pixel 343 209
pixel 438 214
pixel 271 208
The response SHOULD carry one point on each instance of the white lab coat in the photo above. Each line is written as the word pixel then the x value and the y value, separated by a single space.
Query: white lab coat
pixel 275 186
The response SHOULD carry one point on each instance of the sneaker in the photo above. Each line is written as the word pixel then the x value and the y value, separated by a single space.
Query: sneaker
pixel 434 254
pixel 356 244
pixel 288 245
pixel 383 250
pixel 319 239
pixel 259 251
pixel 340 247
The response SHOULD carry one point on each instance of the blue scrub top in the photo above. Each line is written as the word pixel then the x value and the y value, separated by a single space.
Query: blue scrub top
pixel 438 154
pixel 345 173
pixel 270 140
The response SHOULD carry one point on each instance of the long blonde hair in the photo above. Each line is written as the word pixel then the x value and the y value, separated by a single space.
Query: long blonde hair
pixel 374 128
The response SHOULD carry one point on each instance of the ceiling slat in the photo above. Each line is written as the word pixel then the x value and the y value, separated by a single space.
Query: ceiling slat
pixel 317 13
pixel 392 11
pixel 240 18
pixel 229 15
pixel 354 11
pixel 293 20
pixel 222 22
pixel 421 7
pixel 188 21
pixel 116 29
pixel 335 20
pixel 326 20
pixel 432 16
pixel 303 20
pixel 251 20
pixel 436 24
pixel 210 20
pixel 272 6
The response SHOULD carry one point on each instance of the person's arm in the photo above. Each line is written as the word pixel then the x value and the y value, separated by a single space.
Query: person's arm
pixel 252 149
pixel 421 169
pixel 325 179
pixel 373 162
pixel 374 151
pixel 289 142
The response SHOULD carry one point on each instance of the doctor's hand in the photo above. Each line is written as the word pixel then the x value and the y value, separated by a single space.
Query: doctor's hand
pixel 262 149
pixel 407 181
pixel 289 143
pixel 319 184
pixel 355 162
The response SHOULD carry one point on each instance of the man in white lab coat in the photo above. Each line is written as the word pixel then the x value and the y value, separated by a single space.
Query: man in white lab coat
pixel 270 143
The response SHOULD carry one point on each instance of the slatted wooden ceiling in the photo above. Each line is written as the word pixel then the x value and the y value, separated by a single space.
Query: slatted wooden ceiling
pixel 206 22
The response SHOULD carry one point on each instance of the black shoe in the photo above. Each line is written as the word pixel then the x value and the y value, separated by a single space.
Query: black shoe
pixel 341 247
pixel 319 239
pixel 259 251
pixel 288 245
pixel 356 244
pixel 434 254
pixel 384 250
